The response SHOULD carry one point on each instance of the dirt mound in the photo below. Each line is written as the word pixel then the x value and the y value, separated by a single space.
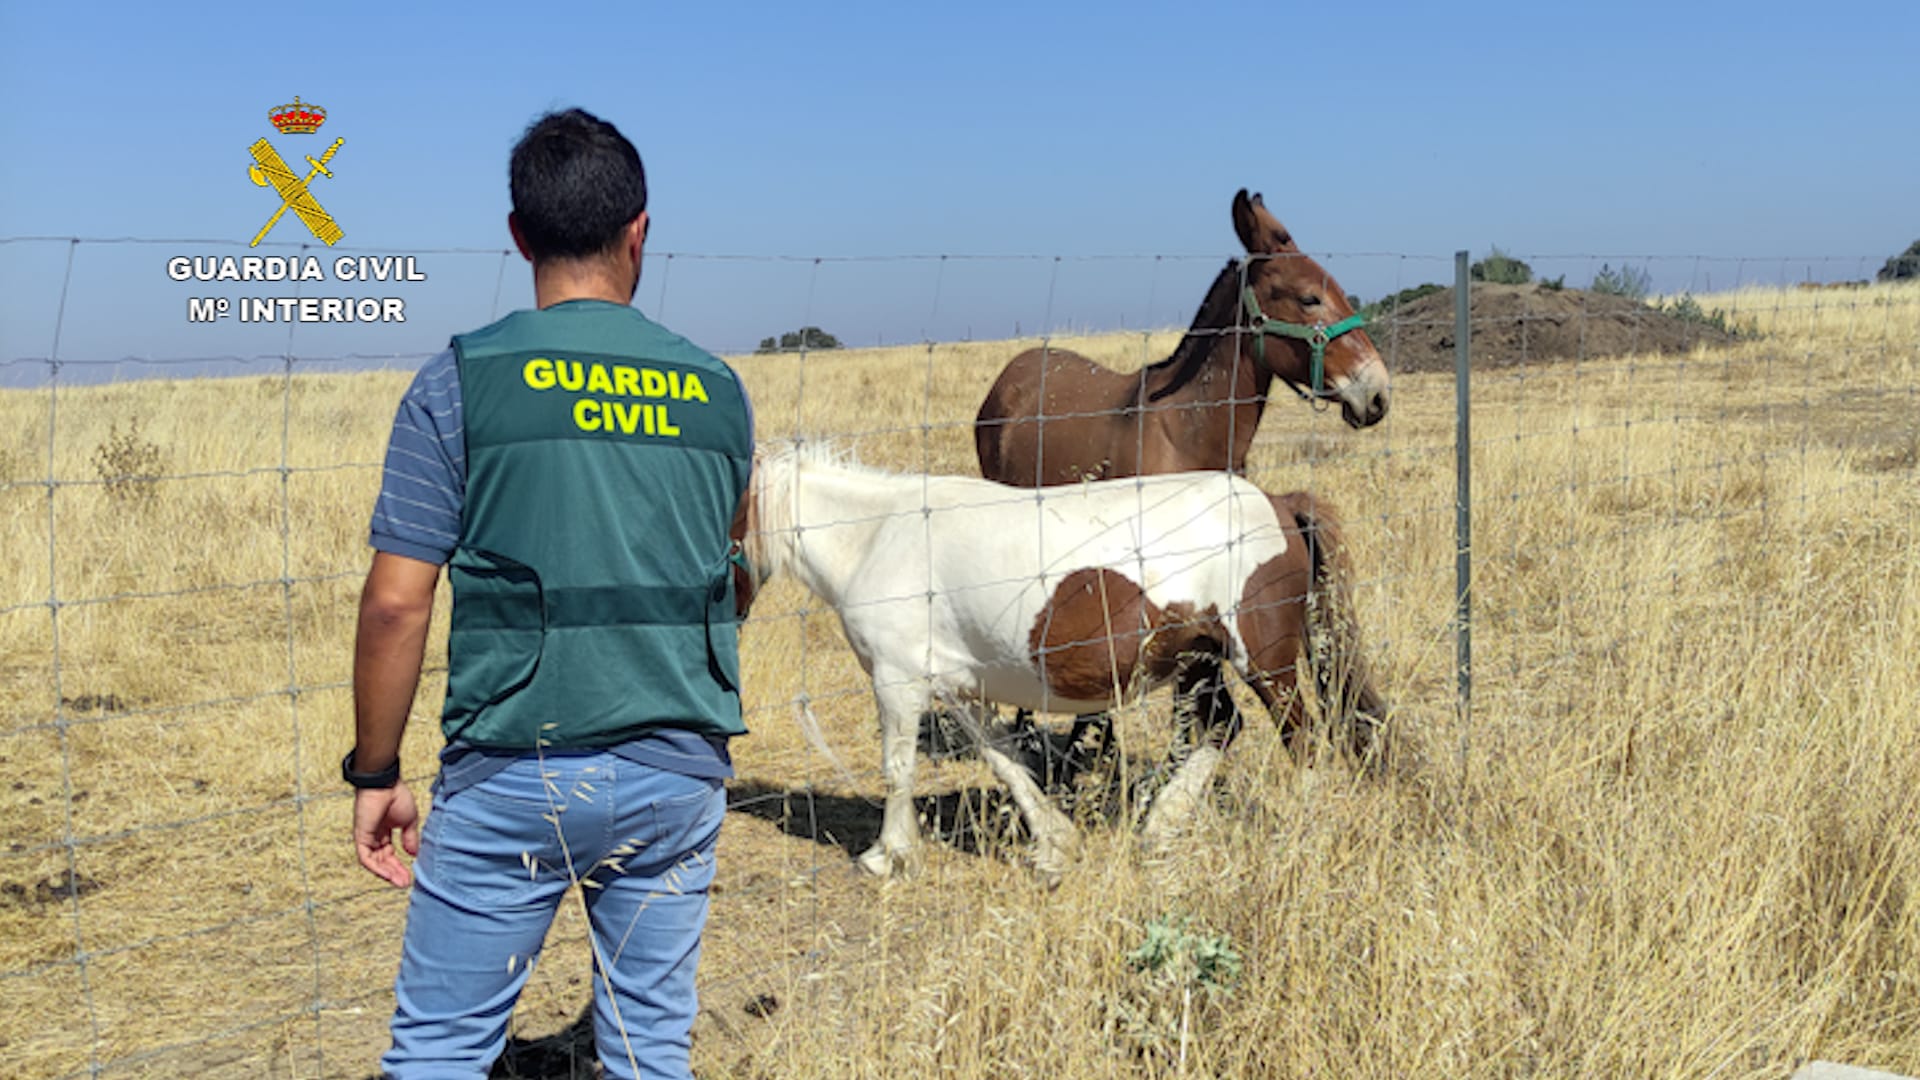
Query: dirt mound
pixel 1519 324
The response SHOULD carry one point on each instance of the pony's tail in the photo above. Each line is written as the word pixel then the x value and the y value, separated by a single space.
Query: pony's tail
pixel 1341 673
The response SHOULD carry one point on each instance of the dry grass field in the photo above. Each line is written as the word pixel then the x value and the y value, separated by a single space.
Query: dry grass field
pixel 1677 835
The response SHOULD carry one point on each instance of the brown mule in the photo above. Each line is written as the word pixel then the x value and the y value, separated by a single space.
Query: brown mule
pixel 1056 417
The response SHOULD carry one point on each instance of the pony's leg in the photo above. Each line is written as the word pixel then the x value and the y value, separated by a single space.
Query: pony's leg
pixel 1280 693
pixel 1201 703
pixel 1355 712
pixel 1175 806
pixel 1076 738
pixel 1272 669
pixel 1054 838
pixel 902 698
pixel 1352 706
pixel 1210 704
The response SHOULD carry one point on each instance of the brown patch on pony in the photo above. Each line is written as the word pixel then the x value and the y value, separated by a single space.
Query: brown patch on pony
pixel 1100 633
pixel 1273 622
pixel 1344 677
pixel 1279 626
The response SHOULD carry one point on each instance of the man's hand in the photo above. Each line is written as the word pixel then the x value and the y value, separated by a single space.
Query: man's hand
pixel 395 607
pixel 377 812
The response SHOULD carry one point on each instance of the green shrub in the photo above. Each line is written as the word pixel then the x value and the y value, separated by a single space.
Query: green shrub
pixel 1685 308
pixel 1499 268
pixel 1386 304
pixel 1175 954
pixel 1184 975
pixel 1628 281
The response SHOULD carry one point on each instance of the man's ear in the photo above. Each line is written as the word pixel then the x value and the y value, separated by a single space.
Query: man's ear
pixel 637 234
pixel 519 238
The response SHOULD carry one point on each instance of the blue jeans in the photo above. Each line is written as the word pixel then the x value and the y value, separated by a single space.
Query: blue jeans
pixel 492 870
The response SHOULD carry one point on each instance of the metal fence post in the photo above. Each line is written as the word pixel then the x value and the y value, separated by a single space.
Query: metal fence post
pixel 1463 504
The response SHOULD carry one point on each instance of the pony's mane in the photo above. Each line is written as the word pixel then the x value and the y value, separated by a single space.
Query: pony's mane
pixel 1217 311
pixel 816 451
pixel 769 544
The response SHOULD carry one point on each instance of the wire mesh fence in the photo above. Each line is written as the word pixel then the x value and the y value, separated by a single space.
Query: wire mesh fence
pixel 184 550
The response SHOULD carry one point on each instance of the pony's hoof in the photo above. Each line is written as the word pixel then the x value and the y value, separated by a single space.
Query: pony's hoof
pixel 1172 813
pixel 1052 857
pixel 882 863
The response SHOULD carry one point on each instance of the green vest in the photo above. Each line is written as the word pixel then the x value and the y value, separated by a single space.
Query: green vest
pixel 592 596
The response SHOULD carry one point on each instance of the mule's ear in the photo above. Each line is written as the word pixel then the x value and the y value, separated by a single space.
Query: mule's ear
pixel 1244 223
pixel 1260 232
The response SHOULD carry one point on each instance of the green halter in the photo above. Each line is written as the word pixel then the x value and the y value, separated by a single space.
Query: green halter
pixel 1316 336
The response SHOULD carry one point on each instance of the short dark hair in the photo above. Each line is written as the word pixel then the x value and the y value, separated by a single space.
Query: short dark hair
pixel 576 182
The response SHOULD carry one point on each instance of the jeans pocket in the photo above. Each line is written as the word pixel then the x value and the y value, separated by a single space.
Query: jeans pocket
pixel 671 819
pixel 482 848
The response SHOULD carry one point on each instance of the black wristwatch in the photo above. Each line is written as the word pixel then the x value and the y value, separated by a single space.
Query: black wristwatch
pixel 385 778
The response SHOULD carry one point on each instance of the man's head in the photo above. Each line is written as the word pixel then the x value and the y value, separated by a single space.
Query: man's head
pixel 579 194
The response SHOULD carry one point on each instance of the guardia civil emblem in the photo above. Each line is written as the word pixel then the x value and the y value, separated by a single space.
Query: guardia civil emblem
pixel 269 169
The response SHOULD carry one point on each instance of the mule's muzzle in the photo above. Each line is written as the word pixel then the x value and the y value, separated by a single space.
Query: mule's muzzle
pixel 1364 407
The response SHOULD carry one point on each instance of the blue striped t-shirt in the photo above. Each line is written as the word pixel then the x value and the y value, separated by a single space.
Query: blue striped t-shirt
pixel 422 493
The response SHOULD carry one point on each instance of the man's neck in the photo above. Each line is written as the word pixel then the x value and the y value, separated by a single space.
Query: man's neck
pixel 578 279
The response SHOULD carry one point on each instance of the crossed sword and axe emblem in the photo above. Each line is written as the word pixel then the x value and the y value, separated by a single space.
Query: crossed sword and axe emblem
pixel 268 168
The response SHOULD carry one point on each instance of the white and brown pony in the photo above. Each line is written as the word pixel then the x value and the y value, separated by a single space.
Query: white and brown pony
pixel 963 592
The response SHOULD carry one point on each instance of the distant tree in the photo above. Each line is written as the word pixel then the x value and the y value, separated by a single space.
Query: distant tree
pixel 1628 281
pixel 1902 266
pixel 807 337
pixel 1500 268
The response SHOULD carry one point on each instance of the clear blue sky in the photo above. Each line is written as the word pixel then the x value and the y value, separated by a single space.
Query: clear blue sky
pixel 1684 136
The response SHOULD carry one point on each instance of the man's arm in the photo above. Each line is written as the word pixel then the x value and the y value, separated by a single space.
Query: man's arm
pixel 395 608
pixel 416 523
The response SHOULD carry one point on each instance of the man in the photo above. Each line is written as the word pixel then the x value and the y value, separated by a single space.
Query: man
pixel 575 468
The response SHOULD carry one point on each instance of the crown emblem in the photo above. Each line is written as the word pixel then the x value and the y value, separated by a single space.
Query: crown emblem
pixel 297 118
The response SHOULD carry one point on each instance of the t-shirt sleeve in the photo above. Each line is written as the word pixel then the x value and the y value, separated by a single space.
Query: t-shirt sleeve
pixel 423 487
pixel 747 400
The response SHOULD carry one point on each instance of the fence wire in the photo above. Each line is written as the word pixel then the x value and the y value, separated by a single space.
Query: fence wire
pixel 96 911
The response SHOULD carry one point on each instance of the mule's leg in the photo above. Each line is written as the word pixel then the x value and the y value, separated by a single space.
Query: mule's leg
pixel 1054 838
pixel 902 699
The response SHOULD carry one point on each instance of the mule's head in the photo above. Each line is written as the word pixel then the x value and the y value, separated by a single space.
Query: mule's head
pixel 1303 311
